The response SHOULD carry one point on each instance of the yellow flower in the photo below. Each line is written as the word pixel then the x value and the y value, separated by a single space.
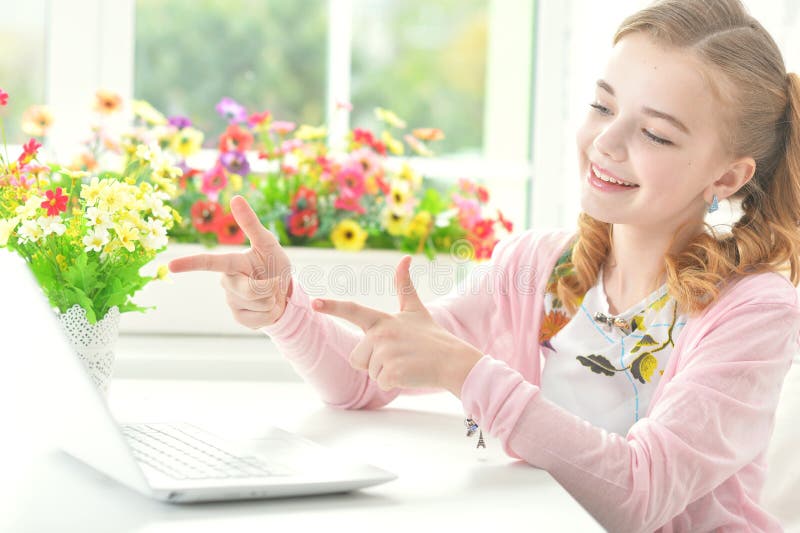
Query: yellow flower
pixel 127 235
pixel 176 215
pixel 236 182
pixel 407 174
pixel 62 261
pixel 162 272
pixel 36 120
pixel 390 118
pixel 6 227
pixel 148 113
pixel 310 133
pixel 392 144
pixel 348 235
pixel 400 192
pixel 187 142
pixel 420 225
pixel 395 220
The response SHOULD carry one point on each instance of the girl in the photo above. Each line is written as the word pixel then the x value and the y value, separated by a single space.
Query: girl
pixel 642 361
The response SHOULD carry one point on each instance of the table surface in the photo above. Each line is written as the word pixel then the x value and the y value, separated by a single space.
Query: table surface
pixel 444 481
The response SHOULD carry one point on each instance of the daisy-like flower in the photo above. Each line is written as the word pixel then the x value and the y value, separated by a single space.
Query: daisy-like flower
pixel 390 118
pixel 187 141
pixel 214 181
pixel 205 216
pixel 127 234
pixel 51 224
pixel 36 120
pixel 408 174
pixel 107 102
pixel 30 231
pixel 56 202
pixel 259 121
pixel 30 209
pixel 418 147
pixel 98 218
pixel 310 133
pixel 420 225
pixel 95 240
pixel 348 235
pixel 148 113
pixel 400 193
pixel 394 146
pixel 180 122
pixel 231 110
pixel 395 220
pixel 3 98
pixel 235 138
pixel 351 177
pixel 29 150
pixel 155 235
pixel 428 134
pixel 91 193
pixel 6 227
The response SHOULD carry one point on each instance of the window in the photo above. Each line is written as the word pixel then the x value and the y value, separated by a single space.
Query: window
pixel 22 72
pixel 267 55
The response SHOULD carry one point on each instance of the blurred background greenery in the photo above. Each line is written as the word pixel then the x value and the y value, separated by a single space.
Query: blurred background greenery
pixel 424 60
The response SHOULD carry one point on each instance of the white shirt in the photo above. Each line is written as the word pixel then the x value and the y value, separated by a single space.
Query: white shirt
pixel 604 376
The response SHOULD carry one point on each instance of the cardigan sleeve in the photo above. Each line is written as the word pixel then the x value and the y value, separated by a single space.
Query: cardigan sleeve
pixel 713 417
pixel 318 347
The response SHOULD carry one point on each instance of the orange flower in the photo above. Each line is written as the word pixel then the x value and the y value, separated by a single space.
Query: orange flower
pixel 428 134
pixel 107 102
pixel 552 323
pixel 36 120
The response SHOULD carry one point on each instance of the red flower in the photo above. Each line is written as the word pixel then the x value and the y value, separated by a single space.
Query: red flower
pixel 235 139
pixel 228 231
pixel 256 119
pixel 504 221
pixel 484 249
pixel 56 202
pixel 483 194
pixel 3 98
pixel 206 216
pixel 186 176
pixel 304 198
pixel 348 201
pixel 304 223
pixel 29 152
pixel 362 136
pixel 483 229
pixel 351 178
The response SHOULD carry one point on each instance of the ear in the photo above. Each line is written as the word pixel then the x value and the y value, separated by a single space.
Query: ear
pixel 734 178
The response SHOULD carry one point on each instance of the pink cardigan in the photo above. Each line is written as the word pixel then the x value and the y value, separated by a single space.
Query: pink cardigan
pixel 696 462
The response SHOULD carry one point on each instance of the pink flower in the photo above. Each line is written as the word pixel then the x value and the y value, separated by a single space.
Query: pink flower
pixel 257 119
pixel 3 98
pixel 214 181
pixel 29 152
pixel 351 178
pixel 469 211
pixel 290 145
pixel 347 106
pixel 348 201
pixel 282 127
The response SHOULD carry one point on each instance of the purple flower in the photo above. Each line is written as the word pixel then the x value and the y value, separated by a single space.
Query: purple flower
pixel 180 122
pixel 235 162
pixel 231 110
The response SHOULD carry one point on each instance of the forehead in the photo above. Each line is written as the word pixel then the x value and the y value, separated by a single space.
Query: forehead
pixel 644 73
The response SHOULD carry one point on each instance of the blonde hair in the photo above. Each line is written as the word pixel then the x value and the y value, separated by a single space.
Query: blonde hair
pixel 761 114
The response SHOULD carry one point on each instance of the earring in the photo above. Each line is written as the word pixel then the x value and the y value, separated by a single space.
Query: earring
pixel 714 204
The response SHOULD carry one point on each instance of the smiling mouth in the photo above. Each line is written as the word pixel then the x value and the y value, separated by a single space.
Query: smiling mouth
pixel 600 175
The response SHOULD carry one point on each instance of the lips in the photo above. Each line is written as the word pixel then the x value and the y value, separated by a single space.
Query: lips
pixel 598 170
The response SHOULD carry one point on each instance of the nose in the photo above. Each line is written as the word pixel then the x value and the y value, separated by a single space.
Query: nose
pixel 610 142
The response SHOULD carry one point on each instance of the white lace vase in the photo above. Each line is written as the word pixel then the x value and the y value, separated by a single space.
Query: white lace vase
pixel 94 343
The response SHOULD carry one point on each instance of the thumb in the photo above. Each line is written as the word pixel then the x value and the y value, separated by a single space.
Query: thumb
pixel 409 299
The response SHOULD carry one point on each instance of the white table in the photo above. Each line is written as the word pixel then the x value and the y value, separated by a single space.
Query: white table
pixel 444 482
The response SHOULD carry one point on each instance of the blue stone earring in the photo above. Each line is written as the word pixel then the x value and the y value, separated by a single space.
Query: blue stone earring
pixel 714 204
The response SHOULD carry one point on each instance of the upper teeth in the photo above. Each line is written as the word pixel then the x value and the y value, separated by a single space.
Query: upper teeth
pixel 609 178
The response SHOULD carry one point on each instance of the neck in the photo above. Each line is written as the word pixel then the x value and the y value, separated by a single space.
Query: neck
pixel 635 265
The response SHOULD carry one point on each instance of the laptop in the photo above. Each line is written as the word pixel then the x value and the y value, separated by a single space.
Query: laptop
pixel 172 462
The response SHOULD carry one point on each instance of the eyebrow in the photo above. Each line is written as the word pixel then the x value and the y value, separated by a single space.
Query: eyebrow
pixel 649 110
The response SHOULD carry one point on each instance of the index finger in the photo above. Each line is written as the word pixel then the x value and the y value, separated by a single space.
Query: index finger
pixel 360 315
pixel 226 263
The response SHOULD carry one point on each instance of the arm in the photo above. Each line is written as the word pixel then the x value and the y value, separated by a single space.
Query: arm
pixel 714 417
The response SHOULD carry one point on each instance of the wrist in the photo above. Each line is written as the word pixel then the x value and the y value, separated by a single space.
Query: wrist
pixel 459 367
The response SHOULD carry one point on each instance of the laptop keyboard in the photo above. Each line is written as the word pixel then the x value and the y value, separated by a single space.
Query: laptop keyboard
pixel 181 455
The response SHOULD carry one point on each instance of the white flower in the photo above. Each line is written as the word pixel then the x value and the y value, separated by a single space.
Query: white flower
pixel 93 191
pixel 95 240
pixel 144 153
pixel 98 218
pixel 31 207
pixel 155 236
pixel 51 225
pixel 30 231
pixel 6 227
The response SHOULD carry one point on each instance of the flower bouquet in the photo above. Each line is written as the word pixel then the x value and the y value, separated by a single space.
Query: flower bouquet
pixel 85 237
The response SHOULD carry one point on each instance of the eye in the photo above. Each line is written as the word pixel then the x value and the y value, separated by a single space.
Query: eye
pixel 603 110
